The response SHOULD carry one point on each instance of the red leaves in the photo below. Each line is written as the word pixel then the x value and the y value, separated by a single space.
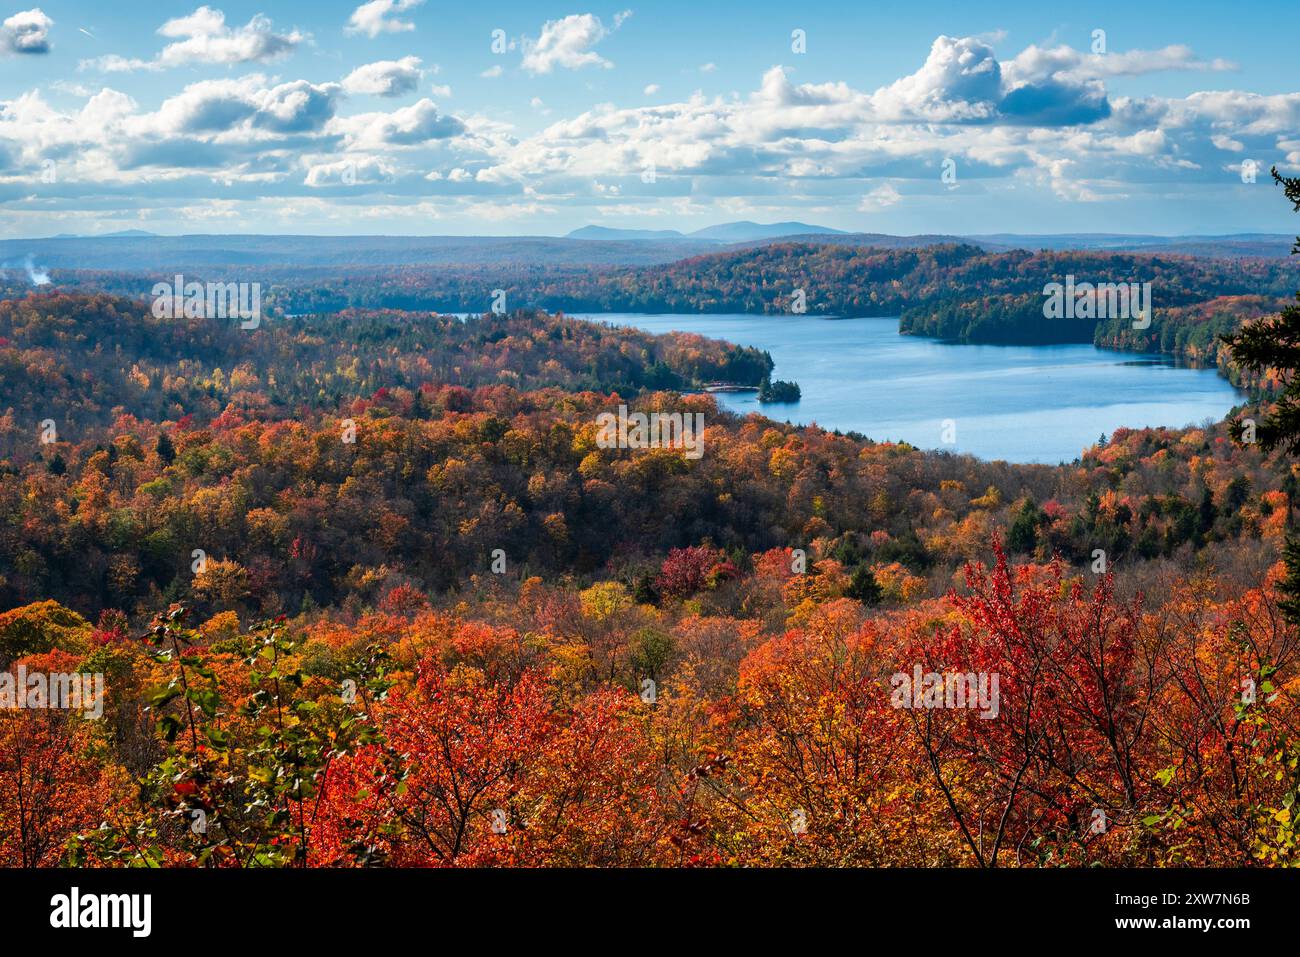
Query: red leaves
pixel 687 570
pixel 51 785
pixel 404 600
pixel 503 774
pixel 1070 723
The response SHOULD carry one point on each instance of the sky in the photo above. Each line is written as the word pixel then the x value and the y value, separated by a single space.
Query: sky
pixel 418 117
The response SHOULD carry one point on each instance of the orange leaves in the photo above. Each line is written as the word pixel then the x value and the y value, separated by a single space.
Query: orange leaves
pixel 825 581
pixel 404 600
pixel 499 775
pixel 514 745
pixel 52 783
pixel 898 584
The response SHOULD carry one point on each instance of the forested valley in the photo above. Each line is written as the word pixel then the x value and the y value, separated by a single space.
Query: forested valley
pixel 367 589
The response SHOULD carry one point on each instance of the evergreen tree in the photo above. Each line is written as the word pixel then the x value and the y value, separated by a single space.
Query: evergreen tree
pixel 1023 535
pixel 166 451
pixel 1206 512
pixel 864 587
pixel 644 593
pixel 1274 343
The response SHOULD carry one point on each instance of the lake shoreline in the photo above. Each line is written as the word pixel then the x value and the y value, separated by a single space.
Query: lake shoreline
pixel 859 374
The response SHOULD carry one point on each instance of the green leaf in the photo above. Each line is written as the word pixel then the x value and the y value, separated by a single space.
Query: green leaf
pixel 169 726
pixel 161 695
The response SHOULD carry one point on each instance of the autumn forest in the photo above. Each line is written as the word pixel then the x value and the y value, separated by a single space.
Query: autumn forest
pixel 366 588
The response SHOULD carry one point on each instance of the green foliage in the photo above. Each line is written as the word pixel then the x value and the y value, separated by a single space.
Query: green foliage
pixel 1023 535
pixel 652 648
pixel 863 586
pixel 1274 344
pixel 40 627
pixel 779 391
pixel 238 784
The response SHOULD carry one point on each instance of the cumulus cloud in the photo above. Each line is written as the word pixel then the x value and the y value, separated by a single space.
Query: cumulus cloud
pixel 26 32
pixel 961 80
pixel 385 77
pixel 1054 102
pixel 567 43
pixel 1062 86
pixel 409 126
pixel 353 171
pixel 203 37
pixel 295 107
pixel 1055 122
pixel 248 103
pixel 209 106
pixel 882 197
pixel 1066 64
pixel 1043 119
pixel 380 16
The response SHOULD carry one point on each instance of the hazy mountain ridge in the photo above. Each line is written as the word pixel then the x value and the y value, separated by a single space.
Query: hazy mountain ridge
pixel 591 246
pixel 737 232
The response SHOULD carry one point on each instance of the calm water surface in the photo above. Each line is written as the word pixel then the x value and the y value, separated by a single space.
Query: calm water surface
pixel 1019 403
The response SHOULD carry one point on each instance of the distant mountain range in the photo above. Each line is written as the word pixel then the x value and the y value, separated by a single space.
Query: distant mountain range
pixel 740 232
pixel 1268 245
pixel 590 247
pixel 128 233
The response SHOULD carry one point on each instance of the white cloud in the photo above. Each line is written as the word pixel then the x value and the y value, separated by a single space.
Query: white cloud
pixel 960 103
pixel 295 107
pixel 882 197
pixel 378 16
pixel 385 77
pixel 1070 65
pixel 247 104
pixel 567 43
pixel 26 32
pixel 961 80
pixel 355 170
pixel 409 126
pixel 1042 120
pixel 203 37
pixel 492 72
pixel 72 89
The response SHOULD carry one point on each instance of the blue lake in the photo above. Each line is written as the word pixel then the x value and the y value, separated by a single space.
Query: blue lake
pixel 1019 403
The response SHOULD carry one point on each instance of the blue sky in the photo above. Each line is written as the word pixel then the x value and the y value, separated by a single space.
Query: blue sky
pixel 416 117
